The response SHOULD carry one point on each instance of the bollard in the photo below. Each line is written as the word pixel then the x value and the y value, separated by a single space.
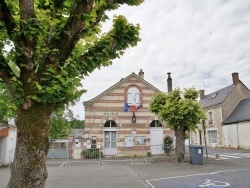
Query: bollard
pixel 217 156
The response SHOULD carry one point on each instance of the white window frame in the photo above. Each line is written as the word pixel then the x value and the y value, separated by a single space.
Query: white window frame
pixel 211 138
pixel 133 96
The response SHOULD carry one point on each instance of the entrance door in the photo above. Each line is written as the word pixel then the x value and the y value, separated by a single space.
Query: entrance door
pixel 110 138
pixel 156 137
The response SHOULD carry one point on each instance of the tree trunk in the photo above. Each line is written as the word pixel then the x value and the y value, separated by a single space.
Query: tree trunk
pixel 28 169
pixel 180 144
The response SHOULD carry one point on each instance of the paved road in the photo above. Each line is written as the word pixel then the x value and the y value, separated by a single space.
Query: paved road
pixel 229 178
pixel 213 173
pixel 238 156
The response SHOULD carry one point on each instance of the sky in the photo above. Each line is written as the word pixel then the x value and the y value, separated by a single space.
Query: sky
pixel 200 42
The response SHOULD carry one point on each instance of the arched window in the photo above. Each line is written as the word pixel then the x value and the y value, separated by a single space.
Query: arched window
pixel 155 123
pixel 110 123
pixel 133 97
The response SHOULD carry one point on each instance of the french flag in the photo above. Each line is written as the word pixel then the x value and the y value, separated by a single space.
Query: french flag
pixel 126 106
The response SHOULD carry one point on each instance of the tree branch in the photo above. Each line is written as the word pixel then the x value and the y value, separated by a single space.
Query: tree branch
pixel 5 75
pixel 76 28
pixel 110 46
pixel 72 31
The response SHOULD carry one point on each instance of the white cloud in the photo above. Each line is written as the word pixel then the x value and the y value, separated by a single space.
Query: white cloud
pixel 200 42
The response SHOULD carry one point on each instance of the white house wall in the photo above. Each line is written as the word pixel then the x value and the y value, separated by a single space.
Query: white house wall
pixel 237 135
pixel 231 136
pixel 8 145
pixel 244 138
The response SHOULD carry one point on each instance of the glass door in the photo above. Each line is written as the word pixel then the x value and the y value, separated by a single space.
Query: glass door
pixel 110 138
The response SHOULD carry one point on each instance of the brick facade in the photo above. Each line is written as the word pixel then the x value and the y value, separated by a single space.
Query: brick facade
pixel 109 106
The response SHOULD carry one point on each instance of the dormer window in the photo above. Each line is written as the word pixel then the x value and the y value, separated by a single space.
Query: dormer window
pixel 214 95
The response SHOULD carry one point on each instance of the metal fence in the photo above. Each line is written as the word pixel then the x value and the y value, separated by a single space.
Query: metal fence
pixel 64 156
pixel 69 156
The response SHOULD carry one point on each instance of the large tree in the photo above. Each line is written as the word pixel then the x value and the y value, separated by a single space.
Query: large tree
pixel 181 112
pixel 53 44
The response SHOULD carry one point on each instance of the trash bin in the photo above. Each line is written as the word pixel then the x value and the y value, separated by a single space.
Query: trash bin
pixel 196 154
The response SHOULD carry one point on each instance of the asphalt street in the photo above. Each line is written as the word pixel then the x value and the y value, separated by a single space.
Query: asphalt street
pixel 234 172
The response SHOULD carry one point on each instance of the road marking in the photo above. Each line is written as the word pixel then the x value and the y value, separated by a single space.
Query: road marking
pixel 209 182
pixel 239 154
pixel 211 173
pixel 213 156
pixel 229 156
pixel 176 177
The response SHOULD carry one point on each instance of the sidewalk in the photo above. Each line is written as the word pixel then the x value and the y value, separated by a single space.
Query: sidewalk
pixel 122 174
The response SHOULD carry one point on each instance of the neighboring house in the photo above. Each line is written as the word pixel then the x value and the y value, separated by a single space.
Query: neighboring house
pixel 218 106
pixel 119 117
pixel 76 136
pixel 236 127
pixel 8 136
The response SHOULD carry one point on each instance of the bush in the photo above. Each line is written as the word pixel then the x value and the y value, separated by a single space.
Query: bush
pixel 91 154
pixel 168 141
pixel 149 154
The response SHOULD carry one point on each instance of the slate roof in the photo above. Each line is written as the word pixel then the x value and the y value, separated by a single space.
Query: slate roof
pixel 217 97
pixel 240 113
pixel 123 80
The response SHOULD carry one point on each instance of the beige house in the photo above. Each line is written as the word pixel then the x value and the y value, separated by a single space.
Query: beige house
pixel 119 117
pixel 218 106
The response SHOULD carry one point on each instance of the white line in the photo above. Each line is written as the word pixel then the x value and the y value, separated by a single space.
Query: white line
pixel 239 154
pixel 213 156
pixel 229 156
pixel 150 184
pixel 211 173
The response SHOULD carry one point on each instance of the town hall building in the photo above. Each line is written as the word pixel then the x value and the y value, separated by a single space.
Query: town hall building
pixel 119 118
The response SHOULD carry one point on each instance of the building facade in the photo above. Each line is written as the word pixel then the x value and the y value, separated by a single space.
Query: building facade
pixel 236 127
pixel 218 106
pixel 119 117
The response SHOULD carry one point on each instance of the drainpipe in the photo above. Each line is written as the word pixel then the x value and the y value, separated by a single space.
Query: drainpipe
pixel 238 135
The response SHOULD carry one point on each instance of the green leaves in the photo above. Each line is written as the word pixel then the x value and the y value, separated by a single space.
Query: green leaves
pixel 178 108
pixel 7 105
pixel 59 43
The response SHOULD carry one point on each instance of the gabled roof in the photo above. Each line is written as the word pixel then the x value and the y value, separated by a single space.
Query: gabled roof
pixel 217 97
pixel 123 80
pixel 240 113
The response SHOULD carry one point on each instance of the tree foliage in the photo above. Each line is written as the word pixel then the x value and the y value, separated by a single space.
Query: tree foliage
pixel 55 44
pixel 7 106
pixel 181 112
pixel 62 123
pixel 178 108
pixel 59 127
pixel 75 122
pixel 46 49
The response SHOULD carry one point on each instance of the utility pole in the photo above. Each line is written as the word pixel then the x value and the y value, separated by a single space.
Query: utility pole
pixel 204 130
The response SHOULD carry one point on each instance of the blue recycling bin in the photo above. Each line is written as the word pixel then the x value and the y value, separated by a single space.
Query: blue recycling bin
pixel 196 154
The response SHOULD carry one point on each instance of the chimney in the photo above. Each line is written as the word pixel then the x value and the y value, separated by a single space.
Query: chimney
pixel 169 80
pixel 141 74
pixel 202 94
pixel 235 77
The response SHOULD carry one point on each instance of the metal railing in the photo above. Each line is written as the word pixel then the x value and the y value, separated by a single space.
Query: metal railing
pixel 69 156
